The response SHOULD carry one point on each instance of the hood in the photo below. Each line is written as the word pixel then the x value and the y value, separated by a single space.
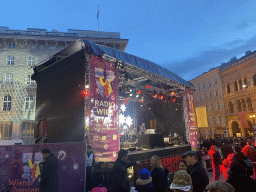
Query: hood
pixel 143 182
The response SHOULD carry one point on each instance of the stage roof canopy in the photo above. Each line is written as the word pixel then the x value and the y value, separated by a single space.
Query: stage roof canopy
pixel 137 63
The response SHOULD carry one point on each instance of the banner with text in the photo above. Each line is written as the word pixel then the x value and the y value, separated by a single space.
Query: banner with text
pixel 243 119
pixel 20 166
pixel 193 132
pixel 104 128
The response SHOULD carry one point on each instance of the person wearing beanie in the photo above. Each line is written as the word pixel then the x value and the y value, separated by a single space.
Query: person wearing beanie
pixel 144 183
pixel 220 186
pixel 240 171
pixel 118 177
pixel 182 182
pixel 49 172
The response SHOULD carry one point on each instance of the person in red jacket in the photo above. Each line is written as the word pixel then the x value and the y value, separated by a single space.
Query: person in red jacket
pixel 225 166
pixel 216 162
pixel 250 151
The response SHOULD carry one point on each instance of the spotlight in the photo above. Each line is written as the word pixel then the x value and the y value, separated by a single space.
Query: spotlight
pixel 85 93
pixel 119 65
pixel 161 96
pixel 155 95
pixel 172 93
pixel 147 86
pixel 139 91
pixel 174 99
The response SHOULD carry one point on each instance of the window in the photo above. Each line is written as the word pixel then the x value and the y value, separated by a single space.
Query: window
pixel 220 119
pixel 8 78
pixel 200 99
pixel 216 92
pixel 31 61
pixel 210 94
pixel 231 109
pixel 6 129
pixel 214 120
pixel 51 47
pixel 27 133
pixel 228 88
pixel 212 107
pixel 249 104
pixel 29 80
pixel 240 84
pixel 244 104
pixel 29 103
pixel 10 60
pixel 218 105
pixel 245 83
pixel 204 85
pixel 254 79
pixel 239 106
pixel 236 87
pixel 205 96
pixel 215 81
pixel 11 46
pixel 209 83
pixel 32 47
pixel 7 103
pixel 198 88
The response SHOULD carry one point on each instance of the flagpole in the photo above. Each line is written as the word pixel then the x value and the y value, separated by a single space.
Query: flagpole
pixel 98 17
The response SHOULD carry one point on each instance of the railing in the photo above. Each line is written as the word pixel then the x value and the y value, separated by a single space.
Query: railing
pixel 101 171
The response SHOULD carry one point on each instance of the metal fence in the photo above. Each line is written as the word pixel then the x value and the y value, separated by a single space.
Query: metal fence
pixel 101 171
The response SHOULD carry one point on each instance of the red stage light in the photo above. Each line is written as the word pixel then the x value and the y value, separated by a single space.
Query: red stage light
pixel 139 92
pixel 174 99
pixel 155 96
pixel 127 99
pixel 86 93
pixel 142 101
pixel 172 93
pixel 147 86
pixel 161 97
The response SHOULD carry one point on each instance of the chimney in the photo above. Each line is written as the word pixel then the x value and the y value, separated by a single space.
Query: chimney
pixel 248 52
pixel 233 59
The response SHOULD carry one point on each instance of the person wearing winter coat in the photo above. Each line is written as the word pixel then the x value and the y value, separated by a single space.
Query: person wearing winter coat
pixel 144 183
pixel 182 166
pixel 49 172
pixel 216 162
pixel 240 172
pixel 198 174
pixel 159 176
pixel 119 176
pixel 250 151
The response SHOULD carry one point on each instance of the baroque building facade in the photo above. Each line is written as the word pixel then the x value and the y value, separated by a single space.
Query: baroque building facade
pixel 208 94
pixel 20 51
pixel 238 79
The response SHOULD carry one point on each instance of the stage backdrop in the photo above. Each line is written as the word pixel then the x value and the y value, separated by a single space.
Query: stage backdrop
pixel 191 114
pixel 20 166
pixel 104 129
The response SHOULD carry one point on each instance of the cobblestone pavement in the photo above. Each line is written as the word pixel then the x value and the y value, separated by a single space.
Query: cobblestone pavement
pixel 210 175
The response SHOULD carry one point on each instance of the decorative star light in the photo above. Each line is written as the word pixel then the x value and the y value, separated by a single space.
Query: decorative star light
pixel 129 121
pixel 121 119
pixel 123 108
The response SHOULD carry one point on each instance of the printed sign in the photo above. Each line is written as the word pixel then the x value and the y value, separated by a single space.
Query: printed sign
pixel 243 119
pixel 20 166
pixel 104 128
pixel 193 133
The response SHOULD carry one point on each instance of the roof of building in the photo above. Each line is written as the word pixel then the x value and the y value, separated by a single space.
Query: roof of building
pixel 133 60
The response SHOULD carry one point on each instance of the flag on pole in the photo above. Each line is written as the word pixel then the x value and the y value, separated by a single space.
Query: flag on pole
pixel 98 12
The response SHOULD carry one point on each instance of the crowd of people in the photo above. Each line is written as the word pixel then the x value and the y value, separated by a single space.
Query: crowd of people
pixel 237 169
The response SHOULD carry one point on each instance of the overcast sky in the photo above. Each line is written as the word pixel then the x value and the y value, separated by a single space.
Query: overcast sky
pixel 187 37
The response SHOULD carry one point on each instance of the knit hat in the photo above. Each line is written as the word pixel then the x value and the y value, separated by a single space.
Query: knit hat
pixel 144 174
pixel 181 181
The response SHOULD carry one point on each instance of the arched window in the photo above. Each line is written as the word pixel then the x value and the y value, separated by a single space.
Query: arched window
pixel 254 79
pixel 244 104
pixel 245 83
pixel 236 87
pixel 240 84
pixel 7 103
pixel 249 104
pixel 231 109
pixel 228 88
pixel 239 105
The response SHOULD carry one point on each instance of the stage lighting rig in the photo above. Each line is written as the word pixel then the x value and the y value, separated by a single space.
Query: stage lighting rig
pixel 119 65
